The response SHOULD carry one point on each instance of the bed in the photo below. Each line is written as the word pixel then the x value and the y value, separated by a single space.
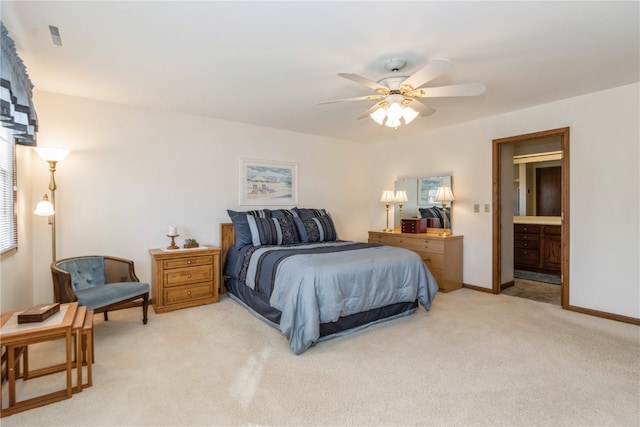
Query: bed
pixel 289 268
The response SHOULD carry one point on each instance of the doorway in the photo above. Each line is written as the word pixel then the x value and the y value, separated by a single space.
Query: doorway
pixel 503 205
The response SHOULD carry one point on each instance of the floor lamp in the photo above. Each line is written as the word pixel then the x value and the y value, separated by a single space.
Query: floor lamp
pixel 46 207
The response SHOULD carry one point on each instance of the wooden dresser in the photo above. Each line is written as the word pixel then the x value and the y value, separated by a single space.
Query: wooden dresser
pixel 443 255
pixel 184 277
pixel 537 247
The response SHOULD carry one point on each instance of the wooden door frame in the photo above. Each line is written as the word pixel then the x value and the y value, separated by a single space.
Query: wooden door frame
pixel 563 133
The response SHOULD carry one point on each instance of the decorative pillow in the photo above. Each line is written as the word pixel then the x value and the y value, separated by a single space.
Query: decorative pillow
pixel 272 231
pixel 241 226
pixel 309 213
pixel 317 229
pixel 282 213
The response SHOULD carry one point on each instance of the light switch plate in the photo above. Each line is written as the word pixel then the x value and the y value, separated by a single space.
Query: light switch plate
pixel 476 208
pixel 487 207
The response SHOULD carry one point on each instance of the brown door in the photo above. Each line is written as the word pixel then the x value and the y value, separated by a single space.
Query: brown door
pixel 549 191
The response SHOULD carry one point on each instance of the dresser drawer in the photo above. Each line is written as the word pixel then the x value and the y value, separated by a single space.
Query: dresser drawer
pixel 527 256
pixel 526 237
pixel 526 244
pixel 526 228
pixel 431 259
pixel 180 294
pixel 187 261
pixel 428 245
pixel 182 276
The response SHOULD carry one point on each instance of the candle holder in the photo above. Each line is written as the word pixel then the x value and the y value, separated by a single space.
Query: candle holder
pixel 173 243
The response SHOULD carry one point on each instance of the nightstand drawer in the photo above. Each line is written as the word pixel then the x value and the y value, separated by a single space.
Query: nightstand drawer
pixel 181 276
pixel 182 294
pixel 187 261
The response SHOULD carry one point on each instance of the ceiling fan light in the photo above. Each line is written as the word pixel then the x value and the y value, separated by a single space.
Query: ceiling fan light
pixel 393 123
pixel 394 113
pixel 409 114
pixel 379 115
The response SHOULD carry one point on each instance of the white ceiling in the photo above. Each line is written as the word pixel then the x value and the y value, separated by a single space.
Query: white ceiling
pixel 270 63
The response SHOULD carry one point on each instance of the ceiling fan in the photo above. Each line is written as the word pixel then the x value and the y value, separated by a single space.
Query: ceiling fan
pixel 399 96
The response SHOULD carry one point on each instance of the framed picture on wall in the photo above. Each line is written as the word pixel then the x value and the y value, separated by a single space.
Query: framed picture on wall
pixel 428 188
pixel 268 183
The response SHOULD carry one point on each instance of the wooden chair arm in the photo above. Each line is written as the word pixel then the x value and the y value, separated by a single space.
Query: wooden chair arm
pixel 62 290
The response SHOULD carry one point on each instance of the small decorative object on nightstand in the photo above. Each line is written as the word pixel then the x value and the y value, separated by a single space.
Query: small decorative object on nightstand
pixel 191 243
pixel 184 278
pixel 173 233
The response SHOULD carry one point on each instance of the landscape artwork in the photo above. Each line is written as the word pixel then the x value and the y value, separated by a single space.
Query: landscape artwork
pixel 428 188
pixel 268 183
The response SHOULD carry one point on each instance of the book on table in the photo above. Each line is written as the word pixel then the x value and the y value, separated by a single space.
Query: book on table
pixel 38 313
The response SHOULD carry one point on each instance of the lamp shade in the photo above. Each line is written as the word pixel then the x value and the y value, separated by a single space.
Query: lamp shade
pixel 444 194
pixel 387 196
pixel 44 207
pixel 52 154
pixel 401 196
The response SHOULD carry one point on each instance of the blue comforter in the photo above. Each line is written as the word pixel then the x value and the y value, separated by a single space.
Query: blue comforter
pixel 322 282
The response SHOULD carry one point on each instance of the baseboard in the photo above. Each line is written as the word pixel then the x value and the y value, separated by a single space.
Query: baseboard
pixel 604 314
pixel 507 285
pixel 477 288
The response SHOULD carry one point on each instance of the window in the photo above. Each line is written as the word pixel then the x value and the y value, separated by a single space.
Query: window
pixel 8 190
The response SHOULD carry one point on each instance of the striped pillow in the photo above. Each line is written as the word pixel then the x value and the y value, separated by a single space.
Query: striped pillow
pixel 309 213
pixel 241 226
pixel 316 229
pixel 272 231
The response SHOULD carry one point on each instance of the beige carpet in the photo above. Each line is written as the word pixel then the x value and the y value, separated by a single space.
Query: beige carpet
pixel 474 359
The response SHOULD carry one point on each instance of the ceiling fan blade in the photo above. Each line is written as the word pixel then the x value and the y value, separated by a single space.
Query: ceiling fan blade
pixel 464 89
pixel 366 82
pixel 433 69
pixel 359 98
pixel 422 109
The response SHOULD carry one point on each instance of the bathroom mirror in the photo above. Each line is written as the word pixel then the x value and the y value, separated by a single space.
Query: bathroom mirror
pixel 421 193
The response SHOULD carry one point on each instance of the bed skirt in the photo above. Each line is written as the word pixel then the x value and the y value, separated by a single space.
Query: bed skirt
pixel 259 305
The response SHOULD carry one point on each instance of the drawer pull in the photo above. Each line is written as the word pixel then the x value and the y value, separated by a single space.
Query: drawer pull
pixel 189 293
pixel 189 262
pixel 525 245
pixel 428 259
pixel 426 245
pixel 189 276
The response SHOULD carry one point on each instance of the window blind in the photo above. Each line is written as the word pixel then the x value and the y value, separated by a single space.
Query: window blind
pixel 8 190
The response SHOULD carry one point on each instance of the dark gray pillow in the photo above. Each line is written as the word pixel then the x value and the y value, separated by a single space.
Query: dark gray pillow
pixel 241 226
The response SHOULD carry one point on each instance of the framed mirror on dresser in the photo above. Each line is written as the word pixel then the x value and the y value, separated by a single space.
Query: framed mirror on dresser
pixel 421 194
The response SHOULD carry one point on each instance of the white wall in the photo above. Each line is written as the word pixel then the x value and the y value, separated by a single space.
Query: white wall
pixel 604 157
pixel 134 171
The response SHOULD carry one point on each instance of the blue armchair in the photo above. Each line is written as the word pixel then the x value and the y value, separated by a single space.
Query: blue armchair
pixel 101 283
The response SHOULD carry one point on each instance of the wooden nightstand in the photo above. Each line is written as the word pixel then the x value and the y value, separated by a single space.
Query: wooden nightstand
pixel 443 255
pixel 184 278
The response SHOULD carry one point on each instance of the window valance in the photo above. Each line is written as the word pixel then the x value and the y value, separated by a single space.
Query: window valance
pixel 16 104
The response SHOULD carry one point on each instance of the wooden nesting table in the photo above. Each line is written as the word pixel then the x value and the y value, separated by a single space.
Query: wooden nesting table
pixel 74 324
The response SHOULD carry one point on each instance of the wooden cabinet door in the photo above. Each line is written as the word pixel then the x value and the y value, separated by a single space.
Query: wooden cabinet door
pixel 552 248
pixel 549 191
